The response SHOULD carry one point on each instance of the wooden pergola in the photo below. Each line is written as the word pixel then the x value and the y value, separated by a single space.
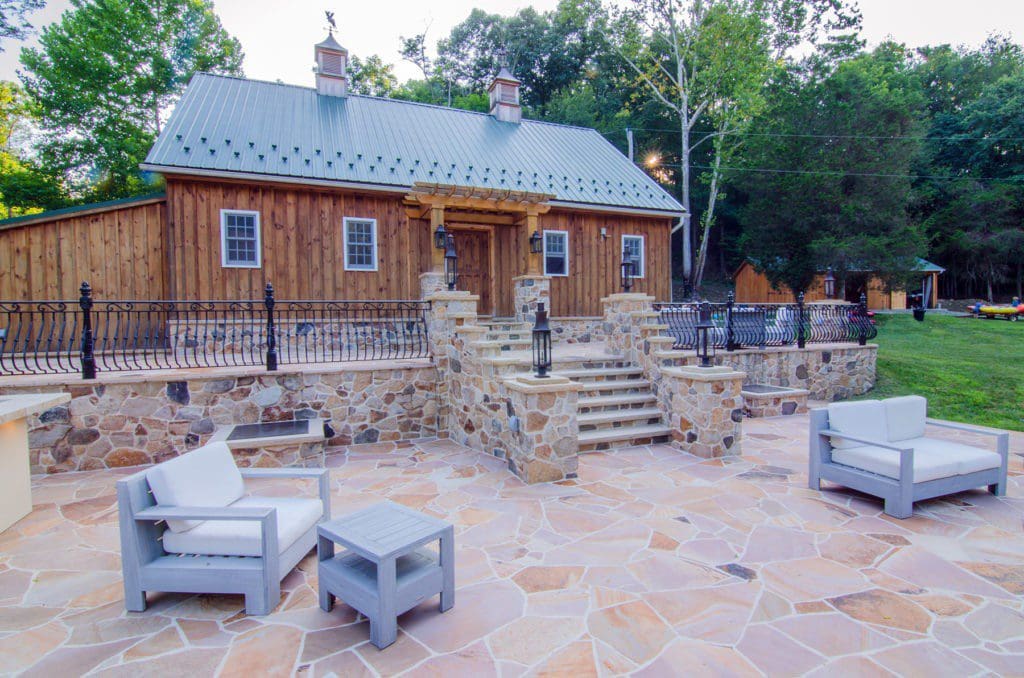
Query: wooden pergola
pixel 519 208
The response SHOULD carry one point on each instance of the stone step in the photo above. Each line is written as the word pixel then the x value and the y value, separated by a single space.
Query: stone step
pixel 598 419
pixel 515 344
pixel 604 373
pixel 617 385
pixel 623 436
pixel 625 399
pixel 505 336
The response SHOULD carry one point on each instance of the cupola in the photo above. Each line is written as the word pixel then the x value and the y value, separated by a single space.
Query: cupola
pixel 504 92
pixel 331 67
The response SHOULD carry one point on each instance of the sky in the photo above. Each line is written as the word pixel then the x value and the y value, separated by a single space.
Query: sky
pixel 278 35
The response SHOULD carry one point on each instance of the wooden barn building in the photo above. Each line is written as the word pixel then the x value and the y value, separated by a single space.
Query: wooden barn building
pixel 753 287
pixel 332 195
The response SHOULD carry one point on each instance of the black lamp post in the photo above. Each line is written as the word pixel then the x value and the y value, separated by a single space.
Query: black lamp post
pixel 705 342
pixel 535 243
pixel 541 343
pixel 628 268
pixel 451 258
pixel 440 237
pixel 830 284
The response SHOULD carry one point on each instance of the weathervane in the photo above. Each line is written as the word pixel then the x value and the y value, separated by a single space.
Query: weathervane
pixel 330 20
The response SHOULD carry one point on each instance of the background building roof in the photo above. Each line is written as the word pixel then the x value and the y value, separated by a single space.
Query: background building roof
pixel 227 124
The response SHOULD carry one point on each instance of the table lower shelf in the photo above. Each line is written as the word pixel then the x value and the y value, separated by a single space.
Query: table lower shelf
pixel 353 579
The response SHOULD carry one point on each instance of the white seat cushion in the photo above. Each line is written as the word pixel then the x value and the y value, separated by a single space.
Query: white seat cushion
pixel 905 417
pixel 295 516
pixel 864 419
pixel 203 477
pixel 970 459
pixel 933 459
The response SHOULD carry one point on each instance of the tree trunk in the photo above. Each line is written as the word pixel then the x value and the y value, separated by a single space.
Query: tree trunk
pixel 687 254
pixel 707 220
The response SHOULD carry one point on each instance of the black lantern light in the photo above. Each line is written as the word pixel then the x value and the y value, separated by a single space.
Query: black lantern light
pixel 830 284
pixel 535 243
pixel 705 341
pixel 541 343
pixel 451 272
pixel 629 266
pixel 440 237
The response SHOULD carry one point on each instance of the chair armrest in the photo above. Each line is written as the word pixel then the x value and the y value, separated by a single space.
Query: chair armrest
pixel 941 423
pixel 155 513
pixel 282 472
pixel 865 441
pixel 322 475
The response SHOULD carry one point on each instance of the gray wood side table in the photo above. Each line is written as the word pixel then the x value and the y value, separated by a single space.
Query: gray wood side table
pixel 385 570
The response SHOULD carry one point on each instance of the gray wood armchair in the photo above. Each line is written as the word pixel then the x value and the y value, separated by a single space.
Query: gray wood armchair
pixel 880 448
pixel 188 527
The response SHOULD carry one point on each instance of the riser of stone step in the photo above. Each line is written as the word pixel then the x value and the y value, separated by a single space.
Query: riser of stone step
pixel 625 441
pixel 615 417
pixel 615 386
pixel 620 424
pixel 587 376
pixel 590 403
pixel 508 336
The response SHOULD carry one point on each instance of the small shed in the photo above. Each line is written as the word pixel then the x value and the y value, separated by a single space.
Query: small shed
pixel 753 287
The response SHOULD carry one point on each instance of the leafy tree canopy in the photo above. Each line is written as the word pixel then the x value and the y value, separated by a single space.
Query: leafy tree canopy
pixel 105 77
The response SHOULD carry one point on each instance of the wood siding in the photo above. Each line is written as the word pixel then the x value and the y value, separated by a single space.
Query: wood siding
pixel 594 261
pixel 753 288
pixel 119 251
pixel 302 243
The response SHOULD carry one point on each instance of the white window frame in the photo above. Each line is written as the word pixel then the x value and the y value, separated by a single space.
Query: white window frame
pixel 224 239
pixel 643 251
pixel 344 237
pixel 545 254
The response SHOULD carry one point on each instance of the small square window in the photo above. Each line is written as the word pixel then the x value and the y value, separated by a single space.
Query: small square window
pixel 360 244
pixel 556 253
pixel 240 239
pixel 633 246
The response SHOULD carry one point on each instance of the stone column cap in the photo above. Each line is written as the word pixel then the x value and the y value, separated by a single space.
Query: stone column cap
pixel 432 274
pixel 627 296
pixel 531 276
pixel 457 295
pixel 704 373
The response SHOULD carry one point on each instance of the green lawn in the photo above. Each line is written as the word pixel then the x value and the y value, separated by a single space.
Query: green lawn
pixel 970 370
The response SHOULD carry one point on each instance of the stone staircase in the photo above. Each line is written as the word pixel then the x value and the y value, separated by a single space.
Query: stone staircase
pixel 617 407
pixel 512 335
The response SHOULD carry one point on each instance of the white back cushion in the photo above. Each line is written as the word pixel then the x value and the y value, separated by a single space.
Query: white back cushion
pixel 905 417
pixel 203 477
pixel 864 419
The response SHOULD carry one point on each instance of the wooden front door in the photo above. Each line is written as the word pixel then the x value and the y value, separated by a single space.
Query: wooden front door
pixel 473 248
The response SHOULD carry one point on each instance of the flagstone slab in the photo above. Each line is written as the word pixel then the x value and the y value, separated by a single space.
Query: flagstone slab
pixel 925 658
pixel 885 608
pixel 633 629
pixel 269 650
pixel 812 579
pixel 774 653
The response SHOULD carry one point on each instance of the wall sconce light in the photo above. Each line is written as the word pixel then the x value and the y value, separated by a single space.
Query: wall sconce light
pixel 440 237
pixel 535 243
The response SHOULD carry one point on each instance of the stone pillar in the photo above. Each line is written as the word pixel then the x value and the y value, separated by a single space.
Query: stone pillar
pixel 545 438
pixel 431 283
pixel 705 408
pixel 528 291
pixel 624 314
pixel 448 312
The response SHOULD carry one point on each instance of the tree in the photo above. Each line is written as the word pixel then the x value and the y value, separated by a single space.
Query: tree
pixel 24 187
pixel 828 176
pixel 371 76
pixel 707 63
pixel 105 77
pixel 13 22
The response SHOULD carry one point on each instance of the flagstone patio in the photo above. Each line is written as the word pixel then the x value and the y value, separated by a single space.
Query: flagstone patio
pixel 652 561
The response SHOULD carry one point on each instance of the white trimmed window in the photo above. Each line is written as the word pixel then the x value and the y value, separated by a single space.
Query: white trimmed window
pixel 556 253
pixel 360 244
pixel 633 246
pixel 240 239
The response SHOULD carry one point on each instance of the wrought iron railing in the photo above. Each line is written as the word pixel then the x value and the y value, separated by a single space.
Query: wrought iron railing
pixel 761 325
pixel 89 336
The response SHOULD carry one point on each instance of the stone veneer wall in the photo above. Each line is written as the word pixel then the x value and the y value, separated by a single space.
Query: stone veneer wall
pixel 578 330
pixel 127 421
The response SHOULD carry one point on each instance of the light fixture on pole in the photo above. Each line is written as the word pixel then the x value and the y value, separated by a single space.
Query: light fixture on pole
pixel 451 272
pixel 628 268
pixel 541 343
pixel 705 340
pixel 830 284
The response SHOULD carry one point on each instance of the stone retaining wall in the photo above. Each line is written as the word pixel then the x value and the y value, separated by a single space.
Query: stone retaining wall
pixel 131 420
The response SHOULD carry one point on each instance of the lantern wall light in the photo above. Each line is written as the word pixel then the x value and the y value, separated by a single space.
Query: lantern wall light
pixel 536 246
pixel 440 237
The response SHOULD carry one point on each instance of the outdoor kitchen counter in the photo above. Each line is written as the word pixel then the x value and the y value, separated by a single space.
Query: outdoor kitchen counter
pixel 15 482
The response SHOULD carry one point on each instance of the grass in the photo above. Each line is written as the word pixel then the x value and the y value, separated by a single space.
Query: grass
pixel 970 370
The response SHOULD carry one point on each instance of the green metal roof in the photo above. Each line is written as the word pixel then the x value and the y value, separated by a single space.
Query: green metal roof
pixel 74 209
pixel 233 125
